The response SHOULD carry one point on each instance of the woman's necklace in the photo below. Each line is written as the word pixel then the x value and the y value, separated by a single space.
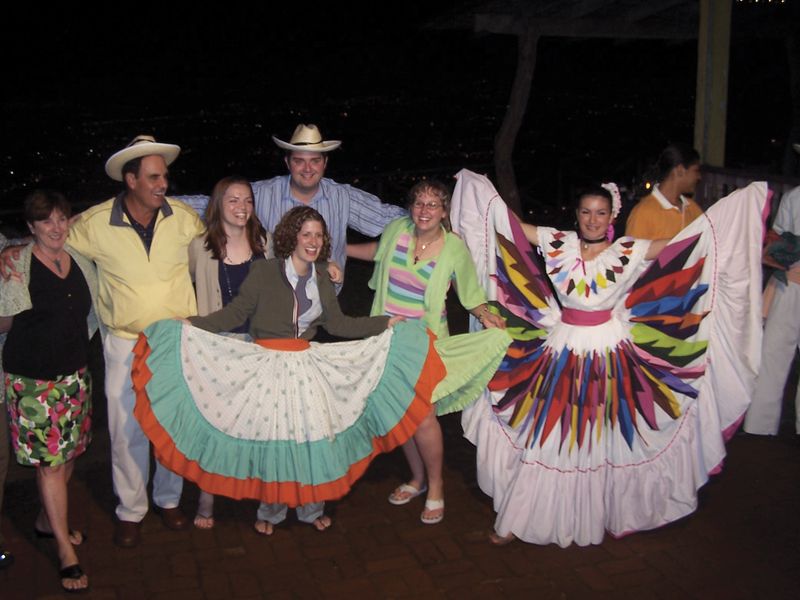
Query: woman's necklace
pixel 586 243
pixel 423 247
pixel 229 259
pixel 228 278
pixel 56 261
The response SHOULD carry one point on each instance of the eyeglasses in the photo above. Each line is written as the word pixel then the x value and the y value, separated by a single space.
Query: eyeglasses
pixel 428 205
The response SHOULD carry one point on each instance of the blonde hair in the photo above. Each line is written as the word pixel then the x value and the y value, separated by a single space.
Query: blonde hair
pixel 438 190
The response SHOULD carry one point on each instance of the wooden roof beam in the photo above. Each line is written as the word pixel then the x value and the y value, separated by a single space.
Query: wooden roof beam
pixel 586 7
pixel 648 9
pixel 585 28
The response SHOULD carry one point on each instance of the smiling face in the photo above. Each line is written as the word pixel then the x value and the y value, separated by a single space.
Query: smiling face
pixel 427 212
pixel 594 217
pixel 306 170
pixel 310 240
pixel 237 206
pixel 148 189
pixel 51 233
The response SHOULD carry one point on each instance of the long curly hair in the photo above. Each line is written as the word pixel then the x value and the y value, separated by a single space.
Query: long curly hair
pixel 216 239
pixel 285 235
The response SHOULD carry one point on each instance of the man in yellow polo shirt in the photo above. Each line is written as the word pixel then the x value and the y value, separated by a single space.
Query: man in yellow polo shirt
pixel 667 210
pixel 139 241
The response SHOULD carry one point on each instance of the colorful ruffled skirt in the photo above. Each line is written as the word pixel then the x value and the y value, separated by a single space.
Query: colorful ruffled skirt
pixel 294 426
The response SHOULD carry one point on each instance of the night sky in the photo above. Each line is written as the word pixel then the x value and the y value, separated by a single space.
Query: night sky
pixel 80 83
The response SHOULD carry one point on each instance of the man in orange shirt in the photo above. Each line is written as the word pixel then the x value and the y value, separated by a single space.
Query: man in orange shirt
pixel 667 210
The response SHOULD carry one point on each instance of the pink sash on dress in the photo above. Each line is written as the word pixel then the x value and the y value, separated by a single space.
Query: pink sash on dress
pixel 586 318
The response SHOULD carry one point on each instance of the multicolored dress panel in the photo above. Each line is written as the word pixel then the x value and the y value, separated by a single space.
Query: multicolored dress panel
pixel 612 405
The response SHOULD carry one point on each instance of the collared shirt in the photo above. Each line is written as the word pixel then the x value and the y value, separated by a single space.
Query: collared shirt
pixel 138 288
pixel 655 217
pixel 666 204
pixel 312 293
pixel 341 206
pixel 145 232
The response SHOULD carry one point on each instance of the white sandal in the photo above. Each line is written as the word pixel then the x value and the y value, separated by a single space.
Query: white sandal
pixel 398 497
pixel 433 505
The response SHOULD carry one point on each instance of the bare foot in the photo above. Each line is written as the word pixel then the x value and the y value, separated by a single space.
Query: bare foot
pixel 499 540
pixel 263 527
pixel 322 523
pixel 202 522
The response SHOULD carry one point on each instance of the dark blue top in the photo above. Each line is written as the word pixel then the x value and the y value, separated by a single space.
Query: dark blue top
pixel 230 280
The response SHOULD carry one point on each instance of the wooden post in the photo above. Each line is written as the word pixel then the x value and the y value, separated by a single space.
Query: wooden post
pixel 791 159
pixel 517 105
pixel 711 107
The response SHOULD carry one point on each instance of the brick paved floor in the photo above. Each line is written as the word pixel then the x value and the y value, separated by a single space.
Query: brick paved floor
pixel 743 542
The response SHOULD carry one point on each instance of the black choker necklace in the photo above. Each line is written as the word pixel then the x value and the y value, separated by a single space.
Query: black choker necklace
pixel 585 243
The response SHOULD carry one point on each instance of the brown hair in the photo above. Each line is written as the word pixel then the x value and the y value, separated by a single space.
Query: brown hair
pixel 40 204
pixel 438 190
pixel 216 239
pixel 594 190
pixel 285 236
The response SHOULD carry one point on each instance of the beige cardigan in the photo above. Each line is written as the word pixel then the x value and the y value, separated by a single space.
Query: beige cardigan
pixel 205 273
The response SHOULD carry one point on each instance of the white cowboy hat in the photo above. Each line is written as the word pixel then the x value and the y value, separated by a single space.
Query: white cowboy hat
pixel 307 138
pixel 141 145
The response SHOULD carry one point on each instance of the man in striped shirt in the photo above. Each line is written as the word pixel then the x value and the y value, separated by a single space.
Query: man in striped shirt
pixel 341 205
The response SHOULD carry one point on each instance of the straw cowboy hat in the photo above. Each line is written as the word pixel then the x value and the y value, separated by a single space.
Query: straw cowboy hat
pixel 141 145
pixel 307 138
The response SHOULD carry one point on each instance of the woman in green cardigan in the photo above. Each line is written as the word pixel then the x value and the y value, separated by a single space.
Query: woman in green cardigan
pixel 417 260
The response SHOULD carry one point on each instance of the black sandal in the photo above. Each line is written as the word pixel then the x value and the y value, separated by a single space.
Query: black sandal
pixel 72 572
pixel 49 535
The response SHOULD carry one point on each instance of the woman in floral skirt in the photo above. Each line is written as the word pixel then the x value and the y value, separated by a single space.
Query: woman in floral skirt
pixel 48 387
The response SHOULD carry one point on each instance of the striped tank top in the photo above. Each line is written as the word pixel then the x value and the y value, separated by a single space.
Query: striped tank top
pixel 408 282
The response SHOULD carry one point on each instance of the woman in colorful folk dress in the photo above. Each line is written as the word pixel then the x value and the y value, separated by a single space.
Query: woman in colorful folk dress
pixel 219 262
pixel 605 414
pixel 417 261
pixel 47 384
